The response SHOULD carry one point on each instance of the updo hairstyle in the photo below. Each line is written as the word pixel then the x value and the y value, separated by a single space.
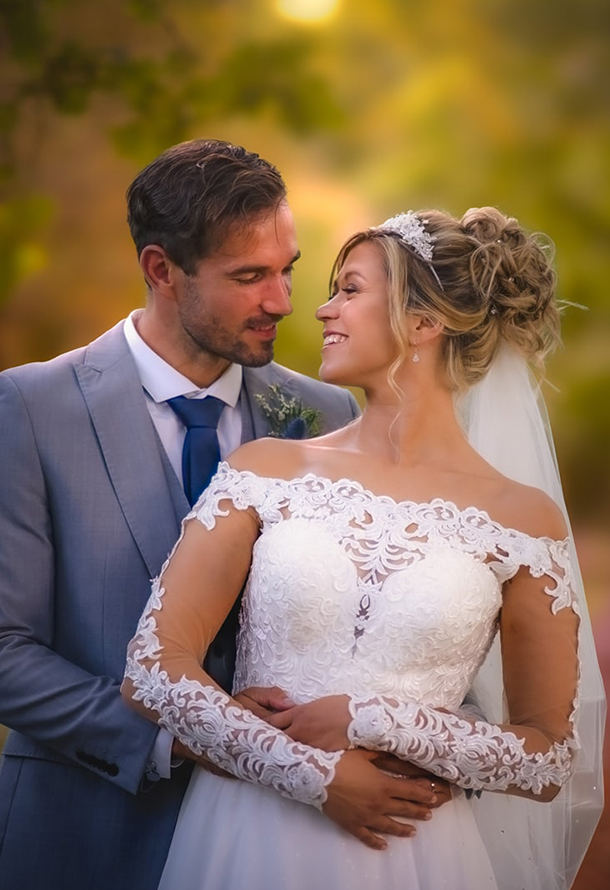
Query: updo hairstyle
pixel 498 285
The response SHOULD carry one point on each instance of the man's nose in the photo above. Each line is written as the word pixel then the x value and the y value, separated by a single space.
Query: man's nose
pixel 277 298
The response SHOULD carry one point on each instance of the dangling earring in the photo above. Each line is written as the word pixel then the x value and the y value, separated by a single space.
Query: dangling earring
pixel 415 353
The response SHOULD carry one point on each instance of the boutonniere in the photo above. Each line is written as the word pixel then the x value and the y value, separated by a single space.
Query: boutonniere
pixel 288 418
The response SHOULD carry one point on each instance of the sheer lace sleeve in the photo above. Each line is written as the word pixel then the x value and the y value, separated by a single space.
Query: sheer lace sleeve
pixel 164 679
pixel 533 752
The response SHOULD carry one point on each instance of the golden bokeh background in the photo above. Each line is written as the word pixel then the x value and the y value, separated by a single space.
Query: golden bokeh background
pixel 368 107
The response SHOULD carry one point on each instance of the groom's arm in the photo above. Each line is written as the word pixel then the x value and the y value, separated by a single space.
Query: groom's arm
pixel 42 694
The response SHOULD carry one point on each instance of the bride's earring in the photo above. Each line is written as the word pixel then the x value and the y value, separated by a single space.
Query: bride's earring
pixel 415 352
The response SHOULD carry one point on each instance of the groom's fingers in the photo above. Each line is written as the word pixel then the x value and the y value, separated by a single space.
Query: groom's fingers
pixel 264 701
pixel 271 697
pixel 392 764
pixel 282 719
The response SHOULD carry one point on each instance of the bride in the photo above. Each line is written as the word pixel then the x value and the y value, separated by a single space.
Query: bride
pixel 391 567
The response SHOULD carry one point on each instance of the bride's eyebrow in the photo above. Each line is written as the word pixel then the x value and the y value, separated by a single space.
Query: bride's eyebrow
pixel 351 273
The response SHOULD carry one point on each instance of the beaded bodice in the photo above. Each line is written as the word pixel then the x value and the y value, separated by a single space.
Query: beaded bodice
pixel 351 591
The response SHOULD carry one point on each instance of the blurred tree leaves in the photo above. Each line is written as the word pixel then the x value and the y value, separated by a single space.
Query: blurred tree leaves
pixel 449 103
pixel 57 56
pixel 21 252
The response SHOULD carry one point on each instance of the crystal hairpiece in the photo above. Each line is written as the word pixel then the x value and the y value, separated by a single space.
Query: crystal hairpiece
pixel 412 231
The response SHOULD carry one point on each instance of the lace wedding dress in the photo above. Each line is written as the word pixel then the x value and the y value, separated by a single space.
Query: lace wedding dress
pixel 395 603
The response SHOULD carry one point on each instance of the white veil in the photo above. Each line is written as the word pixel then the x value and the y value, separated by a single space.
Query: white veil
pixel 534 845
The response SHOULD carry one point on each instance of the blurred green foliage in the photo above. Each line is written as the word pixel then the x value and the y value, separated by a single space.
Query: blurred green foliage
pixel 21 253
pixel 387 105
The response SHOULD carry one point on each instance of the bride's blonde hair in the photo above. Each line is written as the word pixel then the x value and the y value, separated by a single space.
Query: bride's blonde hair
pixel 491 282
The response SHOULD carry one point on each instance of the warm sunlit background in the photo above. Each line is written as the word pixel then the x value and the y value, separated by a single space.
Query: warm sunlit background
pixel 368 107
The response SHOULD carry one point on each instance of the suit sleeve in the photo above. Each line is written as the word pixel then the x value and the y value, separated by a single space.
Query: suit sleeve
pixel 42 694
pixel 353 407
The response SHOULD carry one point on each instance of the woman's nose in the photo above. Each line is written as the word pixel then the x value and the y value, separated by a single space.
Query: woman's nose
pixel 329 309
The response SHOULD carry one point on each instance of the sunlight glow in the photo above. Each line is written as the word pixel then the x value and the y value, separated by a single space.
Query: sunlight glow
pixel 307 10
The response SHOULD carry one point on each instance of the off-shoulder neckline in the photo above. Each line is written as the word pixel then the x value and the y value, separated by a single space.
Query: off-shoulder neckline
pixel 397 504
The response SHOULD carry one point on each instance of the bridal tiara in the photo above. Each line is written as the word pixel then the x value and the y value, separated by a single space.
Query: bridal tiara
pixel 410 228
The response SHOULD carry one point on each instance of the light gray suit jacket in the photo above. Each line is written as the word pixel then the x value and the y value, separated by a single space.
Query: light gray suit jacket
pixel 89 509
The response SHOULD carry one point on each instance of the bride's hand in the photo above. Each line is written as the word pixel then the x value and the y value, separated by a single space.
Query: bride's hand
pixel 368 804
pixel 322 723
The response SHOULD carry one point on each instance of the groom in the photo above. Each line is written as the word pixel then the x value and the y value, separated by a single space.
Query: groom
pixel 94 480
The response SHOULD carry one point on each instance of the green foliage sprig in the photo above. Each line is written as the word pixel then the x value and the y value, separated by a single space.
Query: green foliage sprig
pixel 288 418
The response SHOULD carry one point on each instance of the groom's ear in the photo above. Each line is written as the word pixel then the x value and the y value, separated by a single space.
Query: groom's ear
pixel 158 270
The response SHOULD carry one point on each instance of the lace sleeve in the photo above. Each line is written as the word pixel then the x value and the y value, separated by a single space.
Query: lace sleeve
pixel 164 680
pixel 534 751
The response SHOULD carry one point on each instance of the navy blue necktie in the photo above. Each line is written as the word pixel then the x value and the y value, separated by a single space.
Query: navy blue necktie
pixel 201 452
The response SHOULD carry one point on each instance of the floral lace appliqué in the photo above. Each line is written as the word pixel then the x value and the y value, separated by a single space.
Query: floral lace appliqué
pixel 206 720
pixel 351 592
pixel 475 754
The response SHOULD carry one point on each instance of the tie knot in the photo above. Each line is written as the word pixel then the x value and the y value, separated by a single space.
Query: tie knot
pixel 197 412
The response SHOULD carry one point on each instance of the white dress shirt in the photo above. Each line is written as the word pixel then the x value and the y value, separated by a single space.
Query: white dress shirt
pixel 160 382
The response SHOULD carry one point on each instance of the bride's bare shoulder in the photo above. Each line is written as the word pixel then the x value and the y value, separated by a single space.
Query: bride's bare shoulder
pixel 289 458
pixel 532 511
pixel 281 458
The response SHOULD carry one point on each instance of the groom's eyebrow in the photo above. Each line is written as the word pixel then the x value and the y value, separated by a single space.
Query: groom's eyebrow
pixel 241 270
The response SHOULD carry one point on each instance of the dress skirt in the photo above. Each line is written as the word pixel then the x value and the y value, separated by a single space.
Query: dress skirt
pixel 233 835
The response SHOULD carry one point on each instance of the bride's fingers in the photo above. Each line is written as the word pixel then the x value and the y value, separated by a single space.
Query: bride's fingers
pixel 386 825
pixel 408 810
pixel 369 838
pixel 412 791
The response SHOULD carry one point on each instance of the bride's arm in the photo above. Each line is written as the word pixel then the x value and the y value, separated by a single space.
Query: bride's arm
pixel 165 682
pixel 531 755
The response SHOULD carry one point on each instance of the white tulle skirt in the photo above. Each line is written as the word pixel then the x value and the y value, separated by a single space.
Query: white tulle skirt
pixel 232 835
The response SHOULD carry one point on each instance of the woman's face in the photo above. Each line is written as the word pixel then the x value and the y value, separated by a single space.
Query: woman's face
pixel 358 343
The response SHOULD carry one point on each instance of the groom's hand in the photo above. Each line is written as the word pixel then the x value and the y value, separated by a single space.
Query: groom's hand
pixel 264 701
pixel 366 802
pixel 181 752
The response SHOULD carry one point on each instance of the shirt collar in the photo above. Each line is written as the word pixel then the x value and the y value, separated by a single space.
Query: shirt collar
pixel 162 382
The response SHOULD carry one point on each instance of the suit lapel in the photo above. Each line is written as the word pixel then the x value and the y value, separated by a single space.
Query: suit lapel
pixel 132 452
pixel 256 381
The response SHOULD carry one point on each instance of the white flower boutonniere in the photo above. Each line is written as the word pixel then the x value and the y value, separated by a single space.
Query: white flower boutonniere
pixel 288 418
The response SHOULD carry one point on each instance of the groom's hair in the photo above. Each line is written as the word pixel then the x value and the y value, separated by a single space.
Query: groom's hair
pixel 188 198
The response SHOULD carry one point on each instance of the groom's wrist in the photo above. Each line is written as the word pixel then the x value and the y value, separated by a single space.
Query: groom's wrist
pixel 160 762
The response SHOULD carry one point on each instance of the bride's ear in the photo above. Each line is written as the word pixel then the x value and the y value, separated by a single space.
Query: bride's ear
pixel 423 329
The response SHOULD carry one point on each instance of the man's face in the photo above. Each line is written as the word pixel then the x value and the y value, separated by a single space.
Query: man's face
pixel 230 308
